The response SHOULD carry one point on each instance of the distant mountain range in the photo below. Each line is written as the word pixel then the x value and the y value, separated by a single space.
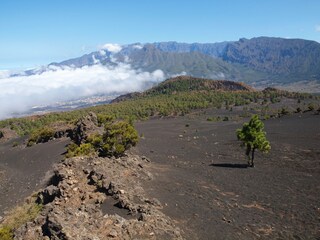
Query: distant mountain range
pixel 288 63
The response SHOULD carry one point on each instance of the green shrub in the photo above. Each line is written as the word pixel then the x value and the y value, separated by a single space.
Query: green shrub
pixel 266 117
pixel 17 217
pixel 6 233
pixel 41 136
pixel 274 100
pixel 104 118
pixel 284 111
pixel 95 140
pixel 85 149
pixel 118 137
pixel 311 107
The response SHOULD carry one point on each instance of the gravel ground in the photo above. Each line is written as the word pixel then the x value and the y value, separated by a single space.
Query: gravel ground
pixel 202 179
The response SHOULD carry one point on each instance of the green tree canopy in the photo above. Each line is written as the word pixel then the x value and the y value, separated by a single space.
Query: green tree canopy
pixel 253 137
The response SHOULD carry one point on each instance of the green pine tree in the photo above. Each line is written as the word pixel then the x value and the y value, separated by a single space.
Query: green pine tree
pixel 253 137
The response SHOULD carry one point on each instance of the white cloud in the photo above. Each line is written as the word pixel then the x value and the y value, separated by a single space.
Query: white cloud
pixel 4 73
pixel 112 47
pixel 317 28
pixel 19 94
pixel 183 73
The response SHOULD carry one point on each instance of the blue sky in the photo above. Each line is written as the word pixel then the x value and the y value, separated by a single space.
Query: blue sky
pixel 36 32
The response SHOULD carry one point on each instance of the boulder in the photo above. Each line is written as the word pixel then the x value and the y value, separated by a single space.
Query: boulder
pixel 48 195
pixel 85 127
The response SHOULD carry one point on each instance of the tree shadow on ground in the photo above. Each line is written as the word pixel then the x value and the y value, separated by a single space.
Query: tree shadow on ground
pixel 230 165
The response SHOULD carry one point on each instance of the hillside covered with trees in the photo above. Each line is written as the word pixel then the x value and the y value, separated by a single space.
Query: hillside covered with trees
pixel 176 96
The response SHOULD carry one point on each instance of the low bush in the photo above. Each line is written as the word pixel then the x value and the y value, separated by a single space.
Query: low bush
pixel 17 217
pixel 118 137
pixel 41 136
pixel 6 233
pixel 311 107
pixel 85 149
pixel 284 111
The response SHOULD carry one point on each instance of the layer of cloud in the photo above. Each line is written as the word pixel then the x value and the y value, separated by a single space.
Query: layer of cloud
pixel 19 94
pixel 112 47
pixel 4 73
pixel 317 28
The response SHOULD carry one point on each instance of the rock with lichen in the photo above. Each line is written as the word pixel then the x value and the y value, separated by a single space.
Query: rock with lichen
pixel 86 126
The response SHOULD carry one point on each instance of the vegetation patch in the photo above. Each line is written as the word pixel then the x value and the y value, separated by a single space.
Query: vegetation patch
pixel 41 136
pixel 17 217
pixel 118 136
pixel 173 97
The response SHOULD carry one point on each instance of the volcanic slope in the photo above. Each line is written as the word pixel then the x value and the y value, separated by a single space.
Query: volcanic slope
pixel 194 156
pixel 202 179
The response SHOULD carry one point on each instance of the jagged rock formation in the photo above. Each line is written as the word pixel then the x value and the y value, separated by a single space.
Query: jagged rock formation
pixel 86 126
pixel 85 192
pixel 61 129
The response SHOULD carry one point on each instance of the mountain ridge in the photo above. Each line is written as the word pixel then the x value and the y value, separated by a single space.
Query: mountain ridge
pixel 260 61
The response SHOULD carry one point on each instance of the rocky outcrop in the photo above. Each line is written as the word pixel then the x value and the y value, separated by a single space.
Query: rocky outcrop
pixel 99 198
pixel 85 127
pixel 62 129
pixel 7 134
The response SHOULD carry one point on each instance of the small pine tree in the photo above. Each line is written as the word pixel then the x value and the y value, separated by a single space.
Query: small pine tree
pixel 253 137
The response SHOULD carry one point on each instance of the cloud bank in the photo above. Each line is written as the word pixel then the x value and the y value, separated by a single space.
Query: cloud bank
pixel 20 93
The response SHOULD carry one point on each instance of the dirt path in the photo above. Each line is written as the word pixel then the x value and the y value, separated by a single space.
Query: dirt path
pixel 206 188
pixel 22 170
